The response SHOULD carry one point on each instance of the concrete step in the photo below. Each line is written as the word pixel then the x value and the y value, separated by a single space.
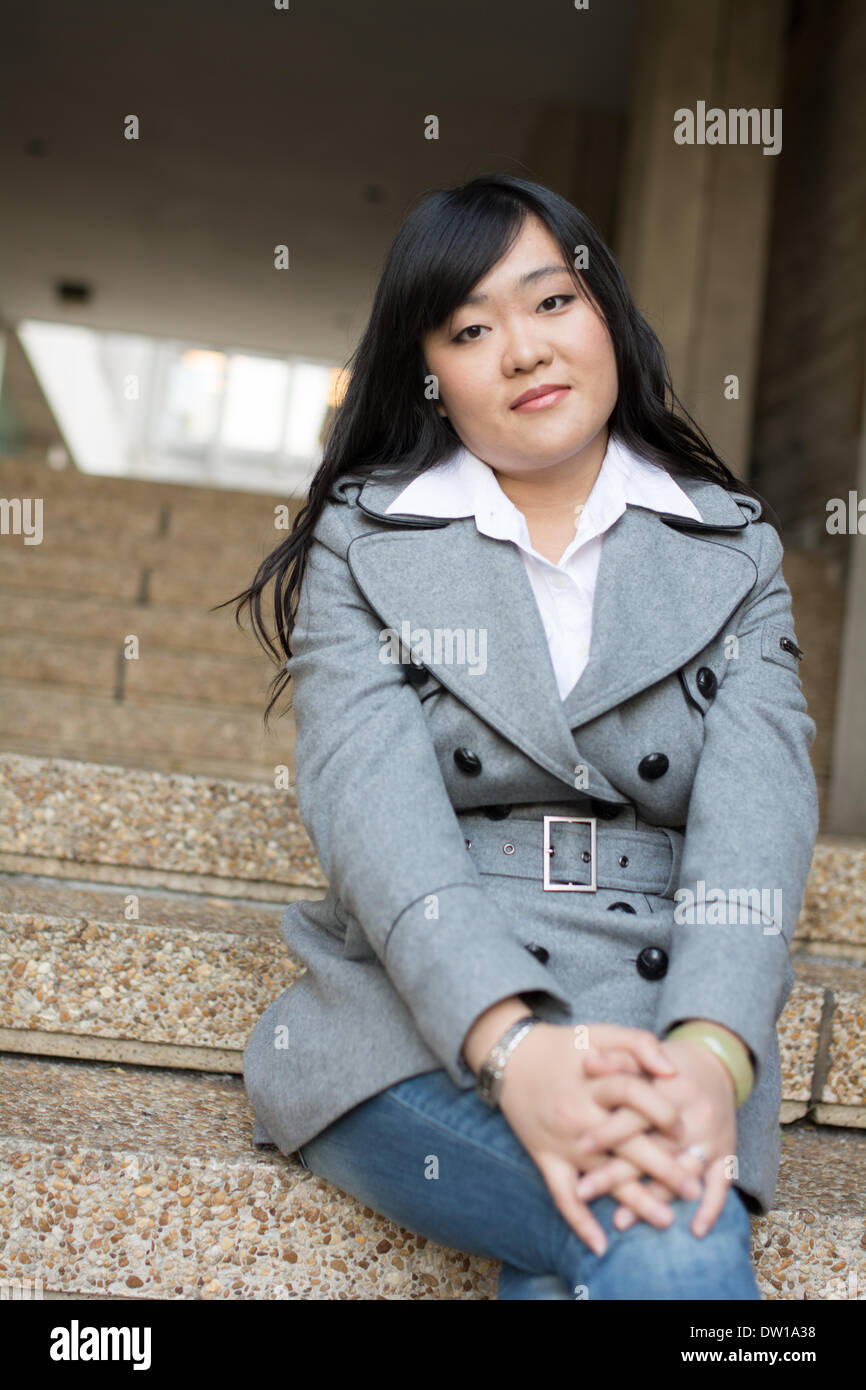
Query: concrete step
pixel 65 818
pixel 122 990
pixel 141 1183
pixel 82 899
pixel 159 627
pixel 171 983
pixel 833 919
pixel 169 569
pixel 100 667
pixel 127 499
pixel 823 1042
pixel 206 738
pixel 70 813
pixel 35 567
pixel 80 531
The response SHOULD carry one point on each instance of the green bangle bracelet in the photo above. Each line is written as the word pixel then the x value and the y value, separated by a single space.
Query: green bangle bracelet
pixel 732 1053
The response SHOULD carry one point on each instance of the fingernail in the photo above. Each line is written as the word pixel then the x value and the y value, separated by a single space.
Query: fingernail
pixel 700 1228
pixel 599 1246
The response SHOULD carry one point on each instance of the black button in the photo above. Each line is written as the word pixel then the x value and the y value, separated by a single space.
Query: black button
pixel 621 907
pixel 652 963
pixel 540 952
pixel 653 765
pixel 706 682
pixel 497 812
pixel 603 809
pixel 416 675
pixel 467 761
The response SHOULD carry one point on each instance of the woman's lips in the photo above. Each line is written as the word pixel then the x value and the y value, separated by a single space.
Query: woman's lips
pixel 542 402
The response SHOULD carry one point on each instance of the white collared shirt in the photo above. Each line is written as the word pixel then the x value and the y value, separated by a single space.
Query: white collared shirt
pixel 464 485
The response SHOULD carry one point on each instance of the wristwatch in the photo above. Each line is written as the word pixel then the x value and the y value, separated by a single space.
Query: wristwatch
pixel 488 1082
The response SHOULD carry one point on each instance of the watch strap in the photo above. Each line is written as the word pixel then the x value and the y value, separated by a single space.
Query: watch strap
pixel 488 1083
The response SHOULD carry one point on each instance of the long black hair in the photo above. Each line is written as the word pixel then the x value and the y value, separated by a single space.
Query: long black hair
pixel 387 423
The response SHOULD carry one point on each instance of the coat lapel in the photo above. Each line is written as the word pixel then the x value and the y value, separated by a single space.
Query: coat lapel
pixel 666 586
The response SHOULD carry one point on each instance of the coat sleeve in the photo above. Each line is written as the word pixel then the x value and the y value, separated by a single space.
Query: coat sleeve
pixel 372 797
pixel 750 831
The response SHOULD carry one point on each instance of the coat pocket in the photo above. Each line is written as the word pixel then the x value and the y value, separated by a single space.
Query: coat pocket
pixel 778 644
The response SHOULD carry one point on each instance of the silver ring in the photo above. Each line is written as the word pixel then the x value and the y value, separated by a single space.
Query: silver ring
pixel 698 1153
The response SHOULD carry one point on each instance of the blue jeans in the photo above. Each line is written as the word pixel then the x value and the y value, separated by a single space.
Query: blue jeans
pixel 440 1163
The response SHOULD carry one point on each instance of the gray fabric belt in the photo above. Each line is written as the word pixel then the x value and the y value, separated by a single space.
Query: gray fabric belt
pixel 515 846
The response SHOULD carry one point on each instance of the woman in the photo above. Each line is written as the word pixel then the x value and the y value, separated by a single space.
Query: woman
pixel 539 847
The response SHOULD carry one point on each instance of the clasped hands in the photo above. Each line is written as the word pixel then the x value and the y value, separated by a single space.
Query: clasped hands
pixel 639 1105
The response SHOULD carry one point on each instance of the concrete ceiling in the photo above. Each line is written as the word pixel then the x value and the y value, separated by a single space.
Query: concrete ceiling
pixel 261 126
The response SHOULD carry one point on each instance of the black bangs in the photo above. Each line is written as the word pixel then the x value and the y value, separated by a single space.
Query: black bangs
pixel 457 249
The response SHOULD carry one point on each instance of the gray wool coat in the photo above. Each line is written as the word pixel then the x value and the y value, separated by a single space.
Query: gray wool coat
pixel 423 784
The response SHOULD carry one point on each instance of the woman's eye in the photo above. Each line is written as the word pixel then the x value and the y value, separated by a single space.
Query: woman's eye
pixel 468 329
pixel 566 297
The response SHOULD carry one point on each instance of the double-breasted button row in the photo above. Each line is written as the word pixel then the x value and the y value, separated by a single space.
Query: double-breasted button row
pixel 652 962
pixel 652 766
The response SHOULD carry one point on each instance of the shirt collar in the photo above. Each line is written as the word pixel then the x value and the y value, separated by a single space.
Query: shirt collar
pixel 463 485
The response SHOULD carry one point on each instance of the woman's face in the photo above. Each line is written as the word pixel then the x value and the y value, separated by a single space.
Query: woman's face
pixel 520 337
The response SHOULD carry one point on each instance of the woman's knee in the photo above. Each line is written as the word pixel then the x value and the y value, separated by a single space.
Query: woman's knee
pixel 442 1166
pixel 646 1262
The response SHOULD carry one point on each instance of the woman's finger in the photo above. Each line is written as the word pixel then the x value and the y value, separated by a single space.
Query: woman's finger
pixel 640 1042
pixel 624 1124
pixel 638 1094
pixel 602 1061
pixel 560 1184
pixel 650 1158
pixel 643 1204
pixel 624 1216
pixel 716 1187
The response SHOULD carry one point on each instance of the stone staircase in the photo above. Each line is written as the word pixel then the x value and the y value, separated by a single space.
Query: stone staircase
pixel 141 886
pixel 124 562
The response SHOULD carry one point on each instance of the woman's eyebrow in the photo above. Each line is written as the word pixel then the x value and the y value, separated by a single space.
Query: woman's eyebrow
pixel 529 278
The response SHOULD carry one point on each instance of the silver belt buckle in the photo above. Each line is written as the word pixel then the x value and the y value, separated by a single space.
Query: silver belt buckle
pixel 548 851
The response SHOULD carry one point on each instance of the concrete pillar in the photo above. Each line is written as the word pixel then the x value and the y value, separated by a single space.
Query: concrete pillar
pixel 847 801
pixel 692 229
